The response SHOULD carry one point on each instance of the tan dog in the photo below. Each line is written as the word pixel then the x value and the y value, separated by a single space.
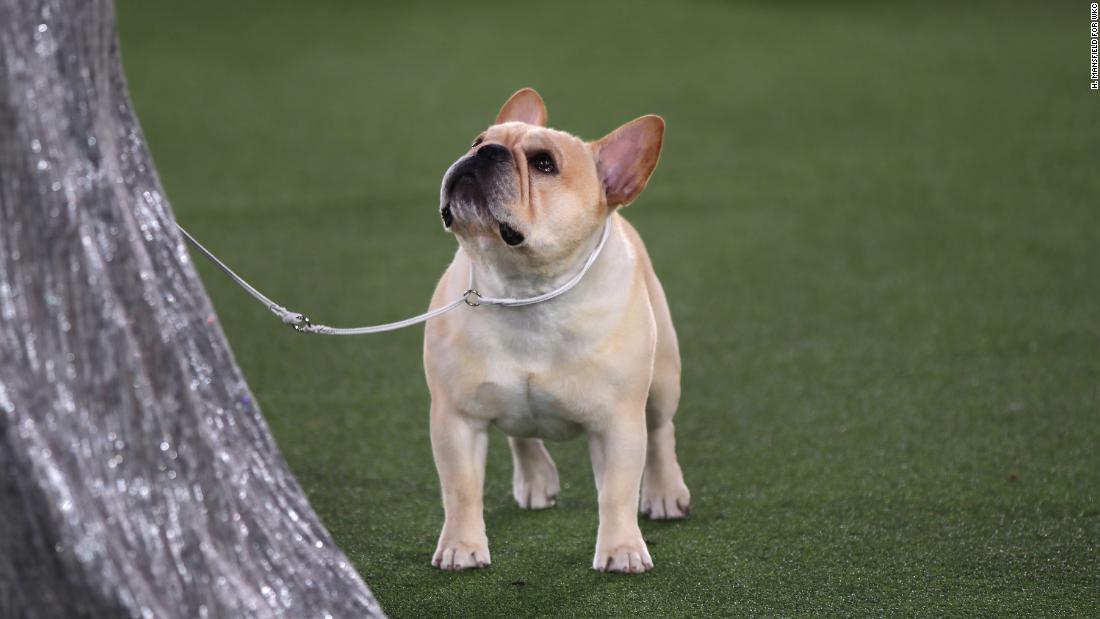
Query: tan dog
pixel 528 205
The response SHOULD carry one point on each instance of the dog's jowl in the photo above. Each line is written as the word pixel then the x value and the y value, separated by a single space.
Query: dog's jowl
pixel 528 205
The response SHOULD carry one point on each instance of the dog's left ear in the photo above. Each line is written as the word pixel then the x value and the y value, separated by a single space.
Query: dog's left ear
pixel 524 106
pixel 626 157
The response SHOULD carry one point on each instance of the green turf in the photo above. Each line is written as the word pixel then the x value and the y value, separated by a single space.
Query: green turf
pixel 879 227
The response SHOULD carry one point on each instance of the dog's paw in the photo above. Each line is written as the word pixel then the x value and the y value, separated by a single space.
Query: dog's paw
pixel 535 484
pixel 629 558
pixel 669 501
pixel 455 555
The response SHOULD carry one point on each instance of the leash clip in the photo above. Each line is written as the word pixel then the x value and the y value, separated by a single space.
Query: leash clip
pixel 477 297
pixel 301 323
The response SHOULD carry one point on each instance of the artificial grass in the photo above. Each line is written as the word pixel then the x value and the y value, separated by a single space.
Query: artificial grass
pixel 878 227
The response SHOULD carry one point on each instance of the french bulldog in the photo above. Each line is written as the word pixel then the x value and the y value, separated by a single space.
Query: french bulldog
pixel 528 205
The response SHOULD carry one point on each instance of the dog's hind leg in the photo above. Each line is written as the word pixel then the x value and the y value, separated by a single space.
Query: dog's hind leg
pixel 665 496
pixel 534 477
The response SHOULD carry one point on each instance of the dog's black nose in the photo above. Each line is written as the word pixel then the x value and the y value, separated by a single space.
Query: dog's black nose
pixel 495 152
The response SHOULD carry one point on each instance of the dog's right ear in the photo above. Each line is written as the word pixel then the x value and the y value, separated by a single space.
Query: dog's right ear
pixel 525 106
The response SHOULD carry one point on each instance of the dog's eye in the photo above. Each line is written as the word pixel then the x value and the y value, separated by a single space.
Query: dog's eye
pixel 479 140
pixel 543 162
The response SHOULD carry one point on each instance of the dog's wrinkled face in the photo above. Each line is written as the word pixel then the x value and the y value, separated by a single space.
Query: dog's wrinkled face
pixel 527 196
pixel 519 185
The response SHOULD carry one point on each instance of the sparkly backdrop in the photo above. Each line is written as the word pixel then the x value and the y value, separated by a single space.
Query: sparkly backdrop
pixel 137 476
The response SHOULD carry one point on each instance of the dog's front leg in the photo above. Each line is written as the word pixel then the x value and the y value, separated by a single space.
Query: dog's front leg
pixel 459 445
pixel 618 458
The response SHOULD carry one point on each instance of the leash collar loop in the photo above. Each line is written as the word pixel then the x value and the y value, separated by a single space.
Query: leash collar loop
pixel 472 298
pixel 301 324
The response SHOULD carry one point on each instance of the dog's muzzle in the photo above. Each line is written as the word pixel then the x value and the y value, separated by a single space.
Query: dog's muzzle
pixel 476 183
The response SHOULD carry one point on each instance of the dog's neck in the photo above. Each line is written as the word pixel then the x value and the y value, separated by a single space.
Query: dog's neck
pixel 524 278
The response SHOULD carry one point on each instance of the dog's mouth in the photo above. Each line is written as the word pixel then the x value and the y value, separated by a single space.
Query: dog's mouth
pixel 510 235
pixel 464 194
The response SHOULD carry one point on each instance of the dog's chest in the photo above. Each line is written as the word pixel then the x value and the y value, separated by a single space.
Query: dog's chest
pixel 535 383
pixel 527 406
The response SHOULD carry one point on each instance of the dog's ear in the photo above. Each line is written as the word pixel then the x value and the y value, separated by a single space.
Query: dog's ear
pixel 525 106
pixel 626 157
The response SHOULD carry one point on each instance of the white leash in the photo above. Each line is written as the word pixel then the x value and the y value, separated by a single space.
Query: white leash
pixel 471 297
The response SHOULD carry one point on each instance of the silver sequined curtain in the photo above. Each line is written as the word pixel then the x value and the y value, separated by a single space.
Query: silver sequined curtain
pixel 137 476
